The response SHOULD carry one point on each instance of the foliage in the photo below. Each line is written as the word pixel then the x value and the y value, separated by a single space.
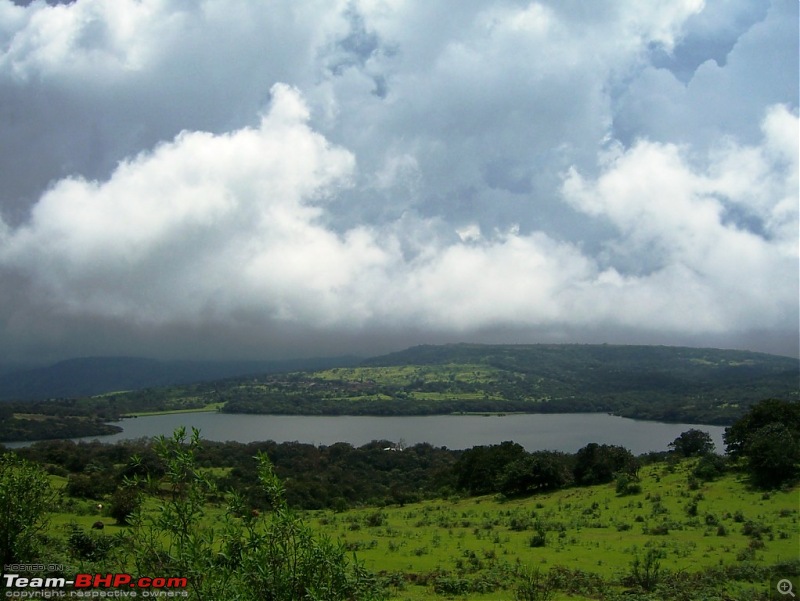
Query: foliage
pixel 458 546
pixel 479 468
pixel 597 464
pixel 628 484
pixel 710 467
pixel 693 443
pixel 248 556
pixel 125 501
pixel 646 573
pixel 534 585
pixel 773 455
pixel 536 472
pixel 768 436
pixel 25 497
pixel 85 546
pixel 766 412
pixel 89 486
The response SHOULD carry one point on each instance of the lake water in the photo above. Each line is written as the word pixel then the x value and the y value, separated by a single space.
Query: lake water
pixel 562 432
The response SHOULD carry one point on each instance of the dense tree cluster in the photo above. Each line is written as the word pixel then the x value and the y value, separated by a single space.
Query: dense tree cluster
pixel 766 441
pixel 767 438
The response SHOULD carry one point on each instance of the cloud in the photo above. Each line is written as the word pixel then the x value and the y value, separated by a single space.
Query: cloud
pixel 307 175
pixel 195 223
pixel 207 227
pixel 722 94
pixel 703 267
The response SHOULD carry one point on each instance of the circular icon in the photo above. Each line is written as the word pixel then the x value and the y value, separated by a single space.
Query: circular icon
pixel 785 587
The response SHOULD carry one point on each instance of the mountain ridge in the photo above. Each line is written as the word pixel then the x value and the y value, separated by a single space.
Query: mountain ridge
pixel 88 376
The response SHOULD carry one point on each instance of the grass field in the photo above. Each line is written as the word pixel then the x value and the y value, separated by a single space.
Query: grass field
pixel 588 529
pixel 458 547
pixel 207 408
pixel 404 375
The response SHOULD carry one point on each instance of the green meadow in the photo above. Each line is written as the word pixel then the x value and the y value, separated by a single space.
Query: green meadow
pixel 585 539
pixel 474 543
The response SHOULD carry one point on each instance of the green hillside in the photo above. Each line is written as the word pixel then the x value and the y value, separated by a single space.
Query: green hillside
pixel 661 383
pixel 671 384
pixel 720 535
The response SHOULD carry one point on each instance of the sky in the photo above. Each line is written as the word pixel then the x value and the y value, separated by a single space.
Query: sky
pixel 231 179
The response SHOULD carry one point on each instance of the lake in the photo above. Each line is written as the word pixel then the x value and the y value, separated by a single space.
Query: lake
pixel 561 432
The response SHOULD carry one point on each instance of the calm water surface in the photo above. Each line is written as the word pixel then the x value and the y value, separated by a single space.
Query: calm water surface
pixel 562 432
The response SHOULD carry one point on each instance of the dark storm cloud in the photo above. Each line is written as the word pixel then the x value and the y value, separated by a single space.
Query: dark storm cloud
pixel 259 179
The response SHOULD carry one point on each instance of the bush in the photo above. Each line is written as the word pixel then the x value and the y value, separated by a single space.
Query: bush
pixel 628 484
pixel 85 546
pixel 375 520
pixel 538 540
pixel 83 486
pixel 124 503
pixel 710 467
pixel 273 555
pixel 534 586
pixel 25 497
pixel 646 573
pixel 446 585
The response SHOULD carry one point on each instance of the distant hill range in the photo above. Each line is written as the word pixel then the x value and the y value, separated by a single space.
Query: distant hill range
pixel 606 369
pixel 97 375
pixel 560 370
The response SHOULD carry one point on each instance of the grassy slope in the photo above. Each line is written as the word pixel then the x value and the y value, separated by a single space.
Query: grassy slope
pixel 475 535
pixel 441 535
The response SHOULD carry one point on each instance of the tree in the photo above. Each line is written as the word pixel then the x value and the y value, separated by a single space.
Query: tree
pixel 598 464
pixel 761 414
pixel 535 472
pixel 479 468
pixel 773 455
pixel 25 496
pixel 768 437
pixel 693 443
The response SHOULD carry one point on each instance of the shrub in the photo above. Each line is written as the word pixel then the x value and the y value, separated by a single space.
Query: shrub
pixel 374 520
pixel 710 467
pixel 538 540
pixel 646 573
pixel 659 530
pixel 755 530
pixel 85 546
pixel 273 555
pixel 124 503
pixel 628 484
pixel 534 586
pixel 25 496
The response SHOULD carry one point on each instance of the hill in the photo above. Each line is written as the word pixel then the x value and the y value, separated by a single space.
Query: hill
pixel 97 375
pixel 621 369
pixel 670 384
pixel 660 383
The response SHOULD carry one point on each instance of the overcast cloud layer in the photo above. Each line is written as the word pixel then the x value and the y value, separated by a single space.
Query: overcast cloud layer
pixel 253 179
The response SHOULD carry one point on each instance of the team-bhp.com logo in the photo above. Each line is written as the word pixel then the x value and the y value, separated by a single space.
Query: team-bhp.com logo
pixel 93 585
